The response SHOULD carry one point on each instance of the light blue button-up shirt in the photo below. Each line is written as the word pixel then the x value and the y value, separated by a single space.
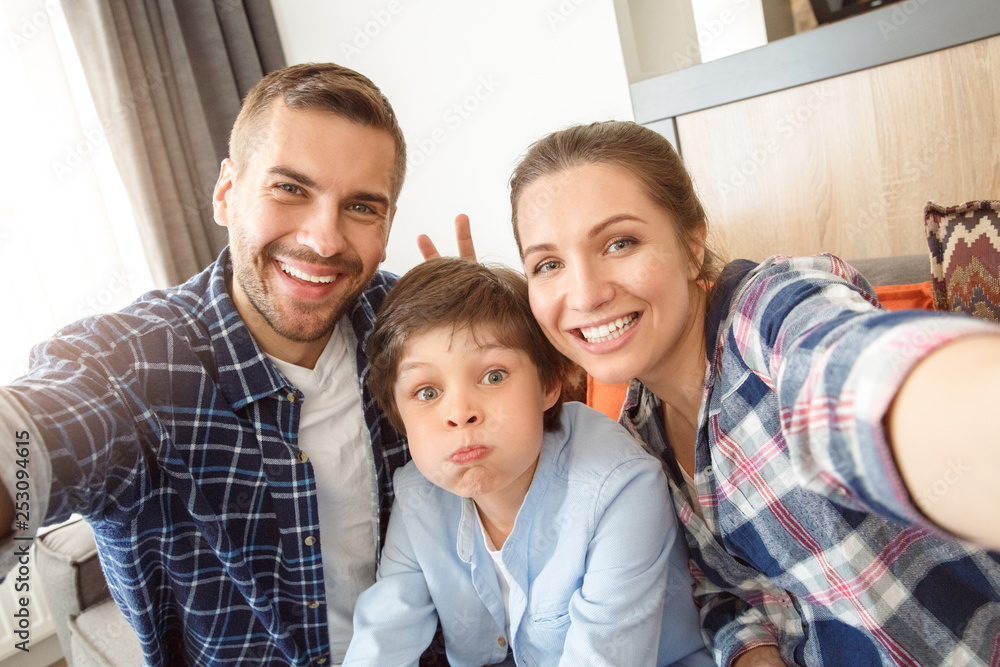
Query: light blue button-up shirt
pixel 598 574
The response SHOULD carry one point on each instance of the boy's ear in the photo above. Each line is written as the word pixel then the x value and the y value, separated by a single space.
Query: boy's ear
pixel 552 394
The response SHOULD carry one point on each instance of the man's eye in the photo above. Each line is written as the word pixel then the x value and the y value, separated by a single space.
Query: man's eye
pixel 362 208
pixel 427 393
pixel 494 377
pixel 290 188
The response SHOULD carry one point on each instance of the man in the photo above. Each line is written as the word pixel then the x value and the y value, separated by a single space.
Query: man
pixel 219 436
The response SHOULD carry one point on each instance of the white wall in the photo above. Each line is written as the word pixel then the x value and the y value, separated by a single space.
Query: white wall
pixel 473 84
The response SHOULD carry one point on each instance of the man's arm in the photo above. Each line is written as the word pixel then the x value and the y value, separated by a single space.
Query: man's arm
pixel 25 478
pixel 944 428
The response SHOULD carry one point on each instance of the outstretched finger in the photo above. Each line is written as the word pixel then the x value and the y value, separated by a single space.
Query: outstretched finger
pixel 463 235
pixel 427 248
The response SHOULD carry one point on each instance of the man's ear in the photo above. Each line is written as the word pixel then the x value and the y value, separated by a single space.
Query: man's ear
pixel 388 227
pixel 220 196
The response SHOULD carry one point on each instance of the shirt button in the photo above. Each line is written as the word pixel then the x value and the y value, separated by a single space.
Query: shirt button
pixel 502 642
pixel 320 661
pixel 314 604
pixel 310 541
pixel 292 397
pixel 303 457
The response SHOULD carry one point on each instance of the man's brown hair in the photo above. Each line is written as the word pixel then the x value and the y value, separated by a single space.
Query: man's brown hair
pixel 450 292
pixel 316 87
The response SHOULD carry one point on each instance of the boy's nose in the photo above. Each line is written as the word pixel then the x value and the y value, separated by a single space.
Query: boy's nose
pixel 463 413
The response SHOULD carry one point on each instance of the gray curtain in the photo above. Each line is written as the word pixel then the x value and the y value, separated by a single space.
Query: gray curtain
pixel 167 77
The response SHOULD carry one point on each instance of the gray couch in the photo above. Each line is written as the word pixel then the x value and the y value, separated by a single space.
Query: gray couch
pixel 92 631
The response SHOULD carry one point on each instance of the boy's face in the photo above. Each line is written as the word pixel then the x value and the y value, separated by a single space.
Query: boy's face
pixel 473 413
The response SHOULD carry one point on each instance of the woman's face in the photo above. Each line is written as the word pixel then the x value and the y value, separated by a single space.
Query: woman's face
pixel 609 283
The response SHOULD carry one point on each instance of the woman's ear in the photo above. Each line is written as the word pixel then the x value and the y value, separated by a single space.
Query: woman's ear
pixel 696 248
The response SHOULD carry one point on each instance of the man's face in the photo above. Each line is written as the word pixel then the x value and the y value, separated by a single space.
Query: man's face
pixel 308 219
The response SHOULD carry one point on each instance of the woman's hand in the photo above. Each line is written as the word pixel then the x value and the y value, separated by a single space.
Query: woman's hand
pixel 463 234
pixel 762 656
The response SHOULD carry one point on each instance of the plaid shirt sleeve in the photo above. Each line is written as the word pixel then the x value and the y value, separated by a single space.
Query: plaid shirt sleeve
pixel 836 364
pixel 177 439
pixel 810 540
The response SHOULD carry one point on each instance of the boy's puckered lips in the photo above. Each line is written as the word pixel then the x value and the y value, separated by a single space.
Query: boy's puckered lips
pixel 469 454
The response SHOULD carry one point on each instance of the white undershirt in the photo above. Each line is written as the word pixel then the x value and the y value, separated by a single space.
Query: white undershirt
pixel 334 435
pixel 503 576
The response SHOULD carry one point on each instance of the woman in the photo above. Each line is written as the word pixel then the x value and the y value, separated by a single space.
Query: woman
pixel 797 419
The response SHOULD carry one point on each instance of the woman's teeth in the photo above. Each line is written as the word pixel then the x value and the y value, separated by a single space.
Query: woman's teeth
pixel 305 276
pixel 609 331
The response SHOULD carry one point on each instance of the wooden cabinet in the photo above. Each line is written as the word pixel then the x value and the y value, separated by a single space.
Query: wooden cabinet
pixel 845 162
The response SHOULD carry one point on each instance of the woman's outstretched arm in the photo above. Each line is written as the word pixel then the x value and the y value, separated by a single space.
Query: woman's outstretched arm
pixel 944 429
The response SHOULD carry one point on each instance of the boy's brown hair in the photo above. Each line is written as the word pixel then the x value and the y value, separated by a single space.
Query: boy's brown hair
pixel 451 292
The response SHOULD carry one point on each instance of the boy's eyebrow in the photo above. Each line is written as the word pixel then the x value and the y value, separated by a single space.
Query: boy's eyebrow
pixel 406 366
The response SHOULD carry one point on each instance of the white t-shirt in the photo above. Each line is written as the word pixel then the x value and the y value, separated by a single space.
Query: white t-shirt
pixel 503 576
pixel 334 435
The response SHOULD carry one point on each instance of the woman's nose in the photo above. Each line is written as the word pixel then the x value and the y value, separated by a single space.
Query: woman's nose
pixel 591 288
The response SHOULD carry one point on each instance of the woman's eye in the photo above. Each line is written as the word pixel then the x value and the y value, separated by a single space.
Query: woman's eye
pixel 494 377
pixel 427 393
pixel 545 267
pixel 619 245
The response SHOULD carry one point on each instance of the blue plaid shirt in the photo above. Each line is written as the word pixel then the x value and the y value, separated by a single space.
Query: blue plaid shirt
pixel 810 539
pixel 174 435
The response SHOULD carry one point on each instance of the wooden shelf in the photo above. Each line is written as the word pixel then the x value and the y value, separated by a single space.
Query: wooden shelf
pixel 895 32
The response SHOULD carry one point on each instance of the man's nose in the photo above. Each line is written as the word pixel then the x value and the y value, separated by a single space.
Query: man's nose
pixel 323 232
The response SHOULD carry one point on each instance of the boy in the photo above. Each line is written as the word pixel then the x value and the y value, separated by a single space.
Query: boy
pixel 533 531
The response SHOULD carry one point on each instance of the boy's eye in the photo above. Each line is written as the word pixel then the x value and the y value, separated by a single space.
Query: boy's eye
pixel 495 376
pixel 427 394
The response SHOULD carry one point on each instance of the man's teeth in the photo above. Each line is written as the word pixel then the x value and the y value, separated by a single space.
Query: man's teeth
pixel 609 331
pixel 292 271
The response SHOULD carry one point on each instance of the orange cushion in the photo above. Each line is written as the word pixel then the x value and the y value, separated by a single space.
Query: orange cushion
pixel 608 398
pixel 902 297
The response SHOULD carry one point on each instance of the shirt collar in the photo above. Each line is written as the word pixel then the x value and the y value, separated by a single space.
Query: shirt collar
pixel 245 373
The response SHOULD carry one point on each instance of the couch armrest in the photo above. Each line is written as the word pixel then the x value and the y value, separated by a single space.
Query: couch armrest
pixel 66 558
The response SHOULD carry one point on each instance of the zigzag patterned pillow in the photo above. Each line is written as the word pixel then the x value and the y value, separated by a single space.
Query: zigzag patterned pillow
pixel 964 244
